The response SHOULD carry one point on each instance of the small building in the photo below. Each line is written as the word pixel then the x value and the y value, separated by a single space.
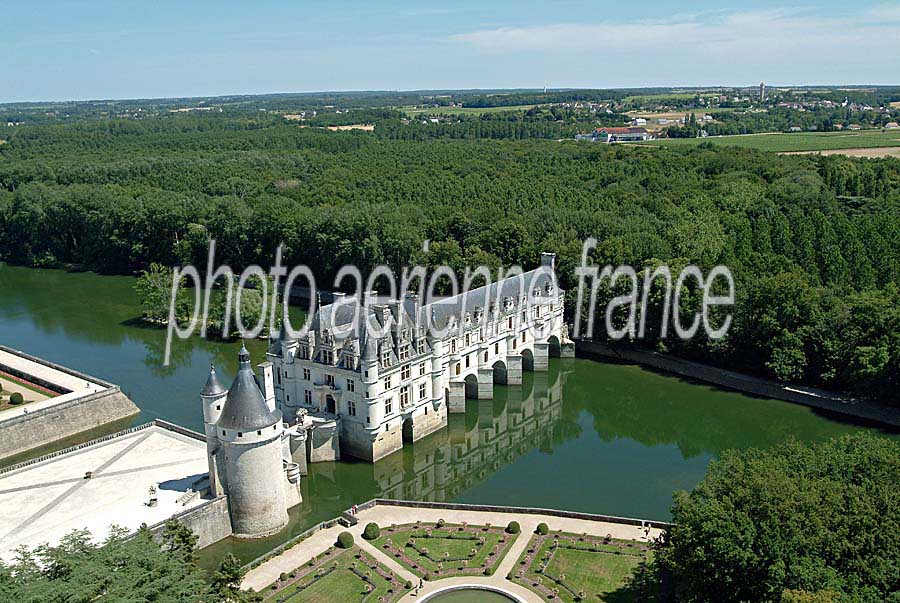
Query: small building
pixel 891 125
pixel 854 127
pixel 639 121
pixel 610 135
pixel 796 129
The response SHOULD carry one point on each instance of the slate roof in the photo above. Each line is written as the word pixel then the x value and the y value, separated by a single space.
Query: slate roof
pixel 245 408
pixel 213 386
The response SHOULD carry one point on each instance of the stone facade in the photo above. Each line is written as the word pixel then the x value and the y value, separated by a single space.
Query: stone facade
pixel 382 373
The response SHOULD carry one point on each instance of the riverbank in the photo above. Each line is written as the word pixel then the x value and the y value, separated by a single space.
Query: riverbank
pixel 808 396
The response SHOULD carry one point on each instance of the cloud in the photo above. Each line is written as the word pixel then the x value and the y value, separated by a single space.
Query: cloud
pixel 712 35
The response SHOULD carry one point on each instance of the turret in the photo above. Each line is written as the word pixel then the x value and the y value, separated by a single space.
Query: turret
pixel 249 433
pixel 212 397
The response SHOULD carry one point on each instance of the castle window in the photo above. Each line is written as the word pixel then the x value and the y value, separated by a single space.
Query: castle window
pixel 351 385
pixel 306 374
pixel 223 432
pixel 514 344
pixel 404 396
pixel 468 340
pixel 304 353
pixel 485 356
pixel 404 373
pixel 385 358
pixel 510 322
pixel 240 435
pixel 420 346
pixel 468 360
pixel 387 383
pixel 421 369
pixel 422 388
pixel 388 406
pixel 453 346
pixel 523 337
pixel 327 356
pixel 404 352
pixel 351 408
pixel 329 380
pixel 457 368
pixel 259 432
pixel 307 397
pixel 218 407
pixel 279 377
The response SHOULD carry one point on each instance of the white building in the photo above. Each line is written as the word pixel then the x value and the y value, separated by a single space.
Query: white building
pixel 393 379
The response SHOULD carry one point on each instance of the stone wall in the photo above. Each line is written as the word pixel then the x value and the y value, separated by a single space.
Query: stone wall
pixel 209 521
pixel 45 425
pixel 807 396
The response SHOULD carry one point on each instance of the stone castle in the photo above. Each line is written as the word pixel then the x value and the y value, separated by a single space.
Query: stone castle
pixel 246 443
pixel 365 391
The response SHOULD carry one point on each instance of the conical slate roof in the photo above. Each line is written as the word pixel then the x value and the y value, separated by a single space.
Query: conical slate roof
pixel 213 386
pixel 245 408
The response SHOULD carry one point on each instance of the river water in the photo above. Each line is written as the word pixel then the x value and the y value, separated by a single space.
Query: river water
pixel 586 436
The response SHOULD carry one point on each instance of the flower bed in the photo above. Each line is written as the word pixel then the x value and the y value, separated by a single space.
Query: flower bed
pixel 570 567
pixel 338 576
pixel 435 551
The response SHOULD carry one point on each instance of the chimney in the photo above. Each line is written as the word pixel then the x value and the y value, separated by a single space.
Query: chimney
pixel 548 260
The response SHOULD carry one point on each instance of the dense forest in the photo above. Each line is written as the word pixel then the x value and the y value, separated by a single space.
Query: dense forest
pixel 812 241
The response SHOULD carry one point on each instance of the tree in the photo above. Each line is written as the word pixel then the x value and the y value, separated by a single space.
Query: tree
pixel 226 582
pixel 798 517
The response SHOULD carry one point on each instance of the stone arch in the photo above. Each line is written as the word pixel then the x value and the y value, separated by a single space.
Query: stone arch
pixel 554 346
pixel 408 430
pixel 528 359
pixel 471 387
pixel 500 374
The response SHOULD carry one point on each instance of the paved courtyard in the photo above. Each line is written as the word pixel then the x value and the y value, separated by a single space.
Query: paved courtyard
pixel 43 502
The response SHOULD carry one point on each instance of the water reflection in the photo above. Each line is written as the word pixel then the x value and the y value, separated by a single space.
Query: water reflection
pixel 473 447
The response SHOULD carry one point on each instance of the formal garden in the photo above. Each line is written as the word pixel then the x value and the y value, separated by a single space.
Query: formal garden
pixel 341 574
pixel 561 566
pixel 440 550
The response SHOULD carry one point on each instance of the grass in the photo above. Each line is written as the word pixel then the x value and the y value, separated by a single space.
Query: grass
pixel 464 110
pixel 799 141
pixel 600 569
pixel 340 577
pixel 452 550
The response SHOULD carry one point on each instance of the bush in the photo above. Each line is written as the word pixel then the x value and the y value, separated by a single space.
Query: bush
pixel 16 398
pixel 372 531
pixel 542 529
pixel 282 576
pixel 513 528
pixel 488 571
pixel 345 540
pixel 408 584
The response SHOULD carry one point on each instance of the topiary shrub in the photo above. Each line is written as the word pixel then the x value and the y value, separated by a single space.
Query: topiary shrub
pixel 372 531
pixel 513 528
pixel 542 529
pixel 282 576
pixel 345 540
pixel 16 398
pixel 488 571
pixel 408 584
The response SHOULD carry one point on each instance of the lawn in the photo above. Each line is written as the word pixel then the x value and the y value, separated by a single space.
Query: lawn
pixel 569 568
pixel 349 576
pixel 798 141
pixel 440 551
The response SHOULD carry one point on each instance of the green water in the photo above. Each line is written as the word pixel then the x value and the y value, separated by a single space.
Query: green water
pixel 586 436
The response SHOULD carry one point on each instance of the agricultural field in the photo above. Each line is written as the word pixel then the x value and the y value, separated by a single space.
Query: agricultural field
pixel 441 551
pixel 566 567
pixel 794 142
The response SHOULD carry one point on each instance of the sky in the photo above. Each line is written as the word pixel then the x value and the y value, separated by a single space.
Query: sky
pixel 101 49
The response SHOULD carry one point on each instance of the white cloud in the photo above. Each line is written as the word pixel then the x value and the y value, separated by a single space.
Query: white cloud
pixel 775 33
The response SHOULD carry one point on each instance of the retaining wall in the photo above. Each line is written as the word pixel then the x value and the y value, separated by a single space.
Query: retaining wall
pixel 45 425
pixel 807 396
pixel 209 521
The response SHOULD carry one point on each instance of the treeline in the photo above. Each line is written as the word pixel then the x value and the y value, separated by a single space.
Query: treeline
pixel 778 119
pixel 812 241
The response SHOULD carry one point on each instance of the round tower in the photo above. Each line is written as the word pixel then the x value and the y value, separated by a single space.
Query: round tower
pixel 212 397
pixel 249 434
